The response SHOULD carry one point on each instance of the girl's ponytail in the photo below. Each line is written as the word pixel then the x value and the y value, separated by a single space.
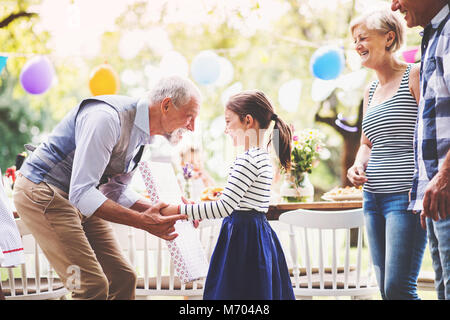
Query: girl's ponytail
pixel 282 137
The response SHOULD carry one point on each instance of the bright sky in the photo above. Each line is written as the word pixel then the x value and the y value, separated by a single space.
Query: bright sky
pixel 76 25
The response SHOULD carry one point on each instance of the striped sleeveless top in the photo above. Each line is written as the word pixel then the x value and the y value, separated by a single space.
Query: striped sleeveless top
pixel 390 128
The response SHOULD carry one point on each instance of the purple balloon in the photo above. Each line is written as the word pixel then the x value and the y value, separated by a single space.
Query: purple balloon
pixel 37 75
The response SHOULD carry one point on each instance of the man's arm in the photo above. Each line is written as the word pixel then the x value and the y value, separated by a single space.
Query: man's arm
pixel 436 200
pixel 141 205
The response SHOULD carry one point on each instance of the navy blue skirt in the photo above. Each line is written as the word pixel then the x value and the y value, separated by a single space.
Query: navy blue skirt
pixel 248 262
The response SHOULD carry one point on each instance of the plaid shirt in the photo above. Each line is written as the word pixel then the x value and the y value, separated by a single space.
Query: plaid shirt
pixel 432 135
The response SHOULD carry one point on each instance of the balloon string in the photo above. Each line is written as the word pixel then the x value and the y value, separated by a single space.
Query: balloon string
pixel 345 127
pixel 18 54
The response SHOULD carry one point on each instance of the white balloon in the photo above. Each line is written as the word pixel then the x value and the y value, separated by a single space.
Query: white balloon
pixel 174 63
pixel 226 72
pixel 153 74
pixel 205 67
pixel 231 90
pixel 349 98
pixel 353 60
pixel 352 81
pixel 129 77
pixel 321 89
pixel 289 95
pixel 131 43
pixel 158 40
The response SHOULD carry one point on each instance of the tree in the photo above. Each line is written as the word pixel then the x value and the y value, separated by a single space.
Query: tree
pixel 350 138
pixel 26 118
pixel 18 123
pixel 16 119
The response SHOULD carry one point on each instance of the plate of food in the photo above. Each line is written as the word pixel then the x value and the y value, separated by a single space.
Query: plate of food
pixel 211 194
pixel 344 194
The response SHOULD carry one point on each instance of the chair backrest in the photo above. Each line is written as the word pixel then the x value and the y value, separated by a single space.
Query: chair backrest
pixel 324 261
pixel 150 257
pixel 37 279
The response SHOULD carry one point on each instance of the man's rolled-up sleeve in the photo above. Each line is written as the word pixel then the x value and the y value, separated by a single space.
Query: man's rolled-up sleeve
pixel 89 201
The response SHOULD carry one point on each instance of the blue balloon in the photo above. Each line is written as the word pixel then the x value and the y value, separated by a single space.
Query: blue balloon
pixel 205 67
pixel 327 63
pixel 2 62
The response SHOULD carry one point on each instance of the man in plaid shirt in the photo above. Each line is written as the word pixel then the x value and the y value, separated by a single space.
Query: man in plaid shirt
pixel 430 193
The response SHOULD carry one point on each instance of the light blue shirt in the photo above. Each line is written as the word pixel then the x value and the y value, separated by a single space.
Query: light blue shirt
pixel 97 131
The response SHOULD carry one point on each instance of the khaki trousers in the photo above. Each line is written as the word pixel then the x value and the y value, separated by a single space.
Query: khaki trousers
pixel 83 251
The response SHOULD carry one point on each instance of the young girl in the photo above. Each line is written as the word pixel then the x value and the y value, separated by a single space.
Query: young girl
pixel 247 262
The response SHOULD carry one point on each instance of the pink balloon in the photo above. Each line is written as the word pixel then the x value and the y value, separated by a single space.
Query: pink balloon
pixel 409 55
pixel 36 76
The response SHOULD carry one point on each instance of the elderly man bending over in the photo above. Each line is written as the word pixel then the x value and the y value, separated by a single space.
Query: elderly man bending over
pixel 75 182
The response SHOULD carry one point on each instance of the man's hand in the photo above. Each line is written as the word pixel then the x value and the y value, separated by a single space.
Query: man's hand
pixel 436 200
pixel 423 221
pixel 161 226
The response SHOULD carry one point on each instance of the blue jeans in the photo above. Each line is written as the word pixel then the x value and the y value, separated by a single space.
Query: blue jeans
pixel 397 243
pixel 439 244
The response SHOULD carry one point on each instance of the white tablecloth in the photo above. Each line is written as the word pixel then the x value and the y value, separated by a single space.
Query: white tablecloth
pixel 11 248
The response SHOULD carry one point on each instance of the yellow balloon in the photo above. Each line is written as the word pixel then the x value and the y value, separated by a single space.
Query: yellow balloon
pixel 103 80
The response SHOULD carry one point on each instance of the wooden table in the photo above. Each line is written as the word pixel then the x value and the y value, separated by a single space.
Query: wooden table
pixel 276 210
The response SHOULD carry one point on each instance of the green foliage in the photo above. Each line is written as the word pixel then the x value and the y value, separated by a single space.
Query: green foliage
pixel 18 124
pixel 25 118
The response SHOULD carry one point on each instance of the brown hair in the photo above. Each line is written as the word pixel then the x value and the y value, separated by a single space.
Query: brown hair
pixel 256 104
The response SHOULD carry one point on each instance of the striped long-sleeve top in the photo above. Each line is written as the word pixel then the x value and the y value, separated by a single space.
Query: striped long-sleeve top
pixel 247 188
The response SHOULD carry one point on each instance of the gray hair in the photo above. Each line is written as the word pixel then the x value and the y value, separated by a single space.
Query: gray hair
pixel 383 20
pixel 178 88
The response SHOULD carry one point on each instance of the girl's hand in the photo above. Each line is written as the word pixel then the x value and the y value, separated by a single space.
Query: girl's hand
pixel 185 201
pixel 170 210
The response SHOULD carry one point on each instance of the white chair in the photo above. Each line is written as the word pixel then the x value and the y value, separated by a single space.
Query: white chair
pixel 37 280
pixel 425 281
pixel 322 262
pixel 151 260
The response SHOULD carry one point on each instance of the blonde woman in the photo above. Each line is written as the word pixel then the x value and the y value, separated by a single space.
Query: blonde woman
pixel 384 163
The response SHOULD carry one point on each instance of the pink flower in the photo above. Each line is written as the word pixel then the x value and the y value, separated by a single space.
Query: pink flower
pixel 295 138
pixel 11 173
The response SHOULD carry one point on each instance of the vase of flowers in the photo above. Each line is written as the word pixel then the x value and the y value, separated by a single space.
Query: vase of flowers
pixel 307 145
pixel 301 191
pixel 187 175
